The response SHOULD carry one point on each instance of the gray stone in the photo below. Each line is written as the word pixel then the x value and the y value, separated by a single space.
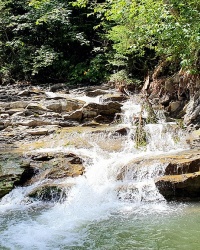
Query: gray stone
pixel 192 115
pixel 39 131
pixel 76 116
pixel 36 106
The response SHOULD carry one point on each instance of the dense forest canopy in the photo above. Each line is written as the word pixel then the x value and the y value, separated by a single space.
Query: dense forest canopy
pixel 88 42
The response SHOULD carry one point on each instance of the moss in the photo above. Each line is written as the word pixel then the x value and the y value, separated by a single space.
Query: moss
pixel 5 187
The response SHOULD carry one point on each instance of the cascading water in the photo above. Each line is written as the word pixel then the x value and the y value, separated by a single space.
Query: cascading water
pixel 104 206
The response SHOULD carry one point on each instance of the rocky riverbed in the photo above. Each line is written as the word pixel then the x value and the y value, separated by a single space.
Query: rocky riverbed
pixel 34 118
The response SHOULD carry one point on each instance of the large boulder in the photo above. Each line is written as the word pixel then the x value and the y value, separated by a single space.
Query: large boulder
pixel 92 110
pixel 181 178
pixel 65 105
pixel 15 170
pixel 55 166
pixel 180 187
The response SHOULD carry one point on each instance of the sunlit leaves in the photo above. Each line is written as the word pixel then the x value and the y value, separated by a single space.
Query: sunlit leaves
pixel 169 27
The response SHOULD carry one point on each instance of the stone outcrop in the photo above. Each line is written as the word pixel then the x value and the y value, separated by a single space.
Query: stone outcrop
pixel 181 180
pixel 93 110
pixel 192 115
pixel 180 187
pixel 16 170
pixel 36 108
pixel 13 169
pixel 55 166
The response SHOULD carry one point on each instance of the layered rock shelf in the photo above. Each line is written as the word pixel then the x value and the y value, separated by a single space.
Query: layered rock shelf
pixel 32 118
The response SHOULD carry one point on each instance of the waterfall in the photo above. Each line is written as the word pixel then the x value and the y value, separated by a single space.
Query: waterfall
pixel 111 185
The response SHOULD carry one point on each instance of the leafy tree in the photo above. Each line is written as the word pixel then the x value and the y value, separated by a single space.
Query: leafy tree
pixel 144 32
pixel 82 41
pixel 171 28
pixel 48 40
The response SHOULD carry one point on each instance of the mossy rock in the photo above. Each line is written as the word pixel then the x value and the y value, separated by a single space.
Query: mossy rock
pixel 5 187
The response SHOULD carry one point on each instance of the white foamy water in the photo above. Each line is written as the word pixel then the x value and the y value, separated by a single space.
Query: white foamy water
pixel 97 196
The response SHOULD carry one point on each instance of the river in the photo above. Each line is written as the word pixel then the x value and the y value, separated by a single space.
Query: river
pixel 103 211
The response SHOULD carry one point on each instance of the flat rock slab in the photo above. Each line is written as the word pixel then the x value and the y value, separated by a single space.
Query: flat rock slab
pixel 180 187
pixel 39 131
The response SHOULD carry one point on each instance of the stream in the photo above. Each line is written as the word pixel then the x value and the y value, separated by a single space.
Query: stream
pixel 103 211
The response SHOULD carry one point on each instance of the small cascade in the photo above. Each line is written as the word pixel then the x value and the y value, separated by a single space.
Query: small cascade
pixel 138 183
pixel 111 183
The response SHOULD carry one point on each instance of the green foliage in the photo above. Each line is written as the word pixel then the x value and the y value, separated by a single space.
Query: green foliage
pixel 48 41
pixel 84 41
pixel 171 28
pixel 121 76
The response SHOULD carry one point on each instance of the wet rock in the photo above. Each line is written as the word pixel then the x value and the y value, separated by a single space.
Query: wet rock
pixel 59 86
pixel 76 116
pixel 54 96
pixel 176 109
pixel 169 85
pixel 8 98
pixel 29 91
pixel 64 105
pixel 64 170
pixel 96 92
pixel 17 104
pixel 39 131
pixel 34 123
pixel 68 123
pixel 122 131
pixel 50 192
pixel 57 106
pixel 13 170
pixel 27 174
pixel 93 109
pixel 181 178
pixel 7 183
pixel 2 127
pixel 4 116
pixel 14 111
pixel 92 124
pixel 101 119
pixel 36 106
pixel 192 115
pixel 55 166
pixel 42 157
pixel 24 93
pixel 116 97
pixel 174 106
pixel 193 139
pixel 180 187
pixel 184 167
pixel 165 100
